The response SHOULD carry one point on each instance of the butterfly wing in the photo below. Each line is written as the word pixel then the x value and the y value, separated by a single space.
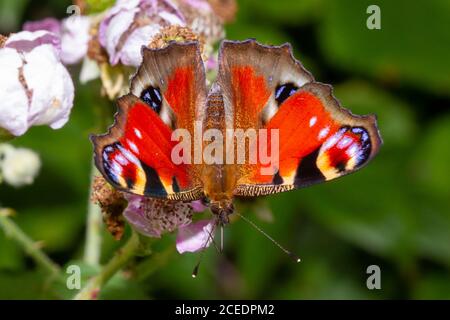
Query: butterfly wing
pixel 318 140
pixel 167 92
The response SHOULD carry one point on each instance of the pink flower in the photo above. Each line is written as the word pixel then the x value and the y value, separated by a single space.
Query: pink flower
pixel 199 4
pixel 154 217
pixel 35 88
pixel 131 24
pixel 74 39
pixel 198 206
pixel 26 41
pixel 47 24
pixel 72 34
pixel 195 236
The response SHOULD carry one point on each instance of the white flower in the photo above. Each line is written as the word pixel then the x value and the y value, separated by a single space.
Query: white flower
pixel 89 70
pixel 18 166
pixel 74 39
pixel 72 35
pixel 129 25
pixel 35 88
pixel 25 41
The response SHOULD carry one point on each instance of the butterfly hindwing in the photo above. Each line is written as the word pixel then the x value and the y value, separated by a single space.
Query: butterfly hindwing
pixel 135 155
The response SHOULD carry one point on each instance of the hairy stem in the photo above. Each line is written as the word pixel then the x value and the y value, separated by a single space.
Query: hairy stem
pixel 119 260
pixel 31 248
pixel 93 233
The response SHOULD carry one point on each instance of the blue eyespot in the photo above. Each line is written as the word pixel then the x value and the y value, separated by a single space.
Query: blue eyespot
pixel 152 97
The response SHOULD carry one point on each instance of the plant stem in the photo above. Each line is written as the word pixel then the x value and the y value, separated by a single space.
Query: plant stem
pixel 93 234
pixel 119 260
pixel 30 247
pixel 150 265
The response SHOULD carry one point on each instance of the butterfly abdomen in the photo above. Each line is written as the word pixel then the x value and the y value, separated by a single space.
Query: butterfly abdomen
pixel 219 178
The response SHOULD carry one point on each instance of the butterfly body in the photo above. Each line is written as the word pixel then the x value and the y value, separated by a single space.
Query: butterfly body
pixel 218 179
pixel 264 126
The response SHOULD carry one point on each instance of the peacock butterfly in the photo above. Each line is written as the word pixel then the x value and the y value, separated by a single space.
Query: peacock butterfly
pixel 258 89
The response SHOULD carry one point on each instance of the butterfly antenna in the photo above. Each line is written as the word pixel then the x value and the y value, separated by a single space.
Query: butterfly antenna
pixel 221 238
pixel 197 266
pixel 289 253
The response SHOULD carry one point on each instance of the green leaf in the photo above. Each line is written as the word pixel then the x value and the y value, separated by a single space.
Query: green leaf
pixel 263 33
pixel 430 166
pixel 412 46
pixel 96 6
pixel 11 256
pixel 10 13
pixel 29 285
pixel 288 12
pixel 433 286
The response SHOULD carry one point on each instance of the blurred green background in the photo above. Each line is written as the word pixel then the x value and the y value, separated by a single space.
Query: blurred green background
pixel 395 213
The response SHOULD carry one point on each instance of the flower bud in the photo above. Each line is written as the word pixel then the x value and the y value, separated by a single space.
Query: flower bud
pixel 35 88
pixel 129 25
pixel 18 166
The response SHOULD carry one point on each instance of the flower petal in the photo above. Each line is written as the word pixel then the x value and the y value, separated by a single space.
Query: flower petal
pixel 89 70
pixel 74 39
pixel 49 24
pixel 153 217
pixel 52 87
pixel 110 34
pixel 199 4
pixel 14 106
pixel 129 25
pixel 195 236
pixel 26 41
pixel 198 206
pixel 130 54
pixel 134 214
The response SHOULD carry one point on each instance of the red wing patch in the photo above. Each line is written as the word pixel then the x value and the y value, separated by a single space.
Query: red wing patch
pixel 250 93
pixel 181 96
pixel 139 161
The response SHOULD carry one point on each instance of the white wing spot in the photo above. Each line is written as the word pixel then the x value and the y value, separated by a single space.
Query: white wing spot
pixel 312 121
pixel 138 133
pixel 345 142
pixel 323 133
pixel 353 150
pixel 331 141
pixel 121 159
pixel 133 147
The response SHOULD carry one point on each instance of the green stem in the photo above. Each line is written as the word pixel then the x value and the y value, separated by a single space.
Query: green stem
pixel 119 260
pixel 30 247
pixel 93 233
pixel 150 265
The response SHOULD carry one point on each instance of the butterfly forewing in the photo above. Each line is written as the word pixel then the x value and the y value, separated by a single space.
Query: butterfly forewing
pixel 167 93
